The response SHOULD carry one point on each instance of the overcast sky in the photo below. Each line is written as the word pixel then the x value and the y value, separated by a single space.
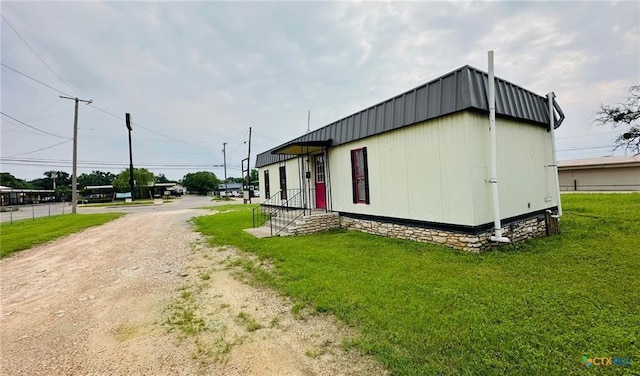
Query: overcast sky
pixel 194 75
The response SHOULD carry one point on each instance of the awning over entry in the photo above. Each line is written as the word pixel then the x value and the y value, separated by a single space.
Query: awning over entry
pixel 302 147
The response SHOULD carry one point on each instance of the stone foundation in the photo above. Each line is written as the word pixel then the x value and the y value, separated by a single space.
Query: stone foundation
pixel 476 243
pixel 516 231
pixel 316 222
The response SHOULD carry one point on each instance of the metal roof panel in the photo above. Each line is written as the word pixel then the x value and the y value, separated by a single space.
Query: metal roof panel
pixel 460 90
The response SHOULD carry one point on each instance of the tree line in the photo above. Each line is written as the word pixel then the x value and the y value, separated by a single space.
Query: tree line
pixel 201 182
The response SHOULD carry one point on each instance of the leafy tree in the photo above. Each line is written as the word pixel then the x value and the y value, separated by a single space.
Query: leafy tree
pixel 63 179
pixel 42 183
pixel 624 114
pixel 162 179
pixel 254 178
pixel 63 193
pixel 201 182
pixel 234 180
pixel 141 177
pixel 96 178
pixel 9 180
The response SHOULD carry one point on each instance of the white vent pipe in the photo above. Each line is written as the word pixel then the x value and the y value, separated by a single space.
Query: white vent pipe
pixel 493 158
pixel 556 182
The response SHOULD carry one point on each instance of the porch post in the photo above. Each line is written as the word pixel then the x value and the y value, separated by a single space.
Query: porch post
pixel 327 182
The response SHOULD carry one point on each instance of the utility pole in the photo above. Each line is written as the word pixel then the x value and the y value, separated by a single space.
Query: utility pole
pixel 129 127
pixel 74 177
pixel 224 154
pixel 249 168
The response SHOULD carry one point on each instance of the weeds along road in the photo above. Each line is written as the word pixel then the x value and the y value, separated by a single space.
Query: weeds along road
pixel 144 294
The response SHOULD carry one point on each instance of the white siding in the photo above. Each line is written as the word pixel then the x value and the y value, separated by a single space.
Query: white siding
pixel 525 178
pixel 436 171
pixel 419 172
pixel 293 177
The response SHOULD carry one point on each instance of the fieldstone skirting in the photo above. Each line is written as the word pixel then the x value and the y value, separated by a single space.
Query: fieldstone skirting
pixel 316 222
pixel 516 232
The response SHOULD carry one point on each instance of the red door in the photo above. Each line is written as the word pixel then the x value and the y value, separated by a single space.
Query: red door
pixel 321 196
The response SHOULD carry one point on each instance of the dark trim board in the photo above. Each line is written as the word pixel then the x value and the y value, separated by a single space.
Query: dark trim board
pixel 471 230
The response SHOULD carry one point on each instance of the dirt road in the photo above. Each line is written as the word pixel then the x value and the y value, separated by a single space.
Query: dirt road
pixel 145 295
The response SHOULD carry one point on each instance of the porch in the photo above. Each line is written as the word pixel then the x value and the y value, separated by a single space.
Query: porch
pixel 288 213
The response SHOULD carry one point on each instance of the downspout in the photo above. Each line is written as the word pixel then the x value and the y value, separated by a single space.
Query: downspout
pixel 552 127
pixel 493 162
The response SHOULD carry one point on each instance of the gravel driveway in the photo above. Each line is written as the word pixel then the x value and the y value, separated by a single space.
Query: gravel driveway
pixel 144 294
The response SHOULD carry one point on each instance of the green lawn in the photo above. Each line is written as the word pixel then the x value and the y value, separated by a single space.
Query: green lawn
pixel 529 309
pixel 26 233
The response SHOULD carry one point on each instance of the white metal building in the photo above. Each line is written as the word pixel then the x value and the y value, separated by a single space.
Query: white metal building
pixel 434 142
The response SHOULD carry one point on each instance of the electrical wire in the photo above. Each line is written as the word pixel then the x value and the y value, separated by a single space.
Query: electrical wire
pixel 21 127
pixel 588 148
pixel 155 164
pixel 268 138
pixel 106 112
pixel 35 151
pixel 44 109
pixel 587 135
pixel 35 79
pixel 36 53
pixel 7 72
pixel 123 165
pixel 149 129
pixel 32 127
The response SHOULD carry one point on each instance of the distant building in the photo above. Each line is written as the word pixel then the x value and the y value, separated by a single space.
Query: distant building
pixel 233 189
pixel 600 174
pixel 13 196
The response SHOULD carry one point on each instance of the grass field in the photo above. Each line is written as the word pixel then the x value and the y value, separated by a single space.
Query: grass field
pixel 530 309
pixel 25 234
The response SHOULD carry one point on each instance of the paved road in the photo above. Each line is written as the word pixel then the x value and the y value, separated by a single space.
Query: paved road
pixel 50 209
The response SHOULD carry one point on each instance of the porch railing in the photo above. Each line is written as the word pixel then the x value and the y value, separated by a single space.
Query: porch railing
pixel 285 208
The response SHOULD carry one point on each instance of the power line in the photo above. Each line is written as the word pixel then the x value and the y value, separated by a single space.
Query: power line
pixel 24 81
pixel 35 151
pixel 156 164
pixel 32 127
pixel 587 135
pixel 43 110
pixel 588 148
pixel 34 79
pixel 268 138
pixel 107 112
pixel 93 166
pixel 150 130
pixel 36 53
pixel 20 127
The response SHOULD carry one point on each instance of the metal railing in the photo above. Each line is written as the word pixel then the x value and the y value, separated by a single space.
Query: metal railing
pixel 290 198
pixel 285 207
pixel 260 215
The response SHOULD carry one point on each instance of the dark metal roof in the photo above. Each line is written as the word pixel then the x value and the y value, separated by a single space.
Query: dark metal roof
pixel 464 89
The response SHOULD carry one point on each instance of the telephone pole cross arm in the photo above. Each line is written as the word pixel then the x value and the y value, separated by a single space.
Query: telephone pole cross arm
pixel 74 176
